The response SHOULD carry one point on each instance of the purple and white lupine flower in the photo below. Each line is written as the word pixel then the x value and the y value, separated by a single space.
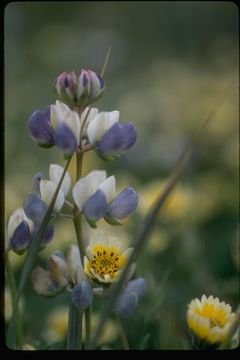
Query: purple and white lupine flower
pixel 40 129
pixel 62 273
pixel 130 297
pixel 36 203
pixel 109 137
pixel 67 125
pixel 18 231
pixel 79 90
pixel 95 196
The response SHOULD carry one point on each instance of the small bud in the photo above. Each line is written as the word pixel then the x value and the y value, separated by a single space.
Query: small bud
pixel 40 129
pixel 90 87
pixel 82 295
pixel 66 87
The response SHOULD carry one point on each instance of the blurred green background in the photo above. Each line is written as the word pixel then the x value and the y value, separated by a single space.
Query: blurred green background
pixel 170 63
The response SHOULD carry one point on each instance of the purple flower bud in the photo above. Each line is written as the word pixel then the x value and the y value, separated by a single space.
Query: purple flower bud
pixel 138 286
pixel 82 295
pixel 97 85
pixel 96 206
pixel 124 204
pixel 40 129
pixel 65 139
pixel 21 238
pixel 35 208
pixel 66 87
pixel 116 140
pixel 83 85
pixel 126 304
pixel 36 182
pixel 90 87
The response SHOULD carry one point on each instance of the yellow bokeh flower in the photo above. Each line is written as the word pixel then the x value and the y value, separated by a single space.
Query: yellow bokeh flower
pixel 210 319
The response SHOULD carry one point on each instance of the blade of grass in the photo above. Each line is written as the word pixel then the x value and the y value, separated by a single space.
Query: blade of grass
pixel 154 211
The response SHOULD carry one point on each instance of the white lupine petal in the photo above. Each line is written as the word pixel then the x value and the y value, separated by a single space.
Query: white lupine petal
pixel 47 190
pixel 87 186
pixel 15 219
pixel 92 113
pixel 55 173
pixel 108 186
pixel 100 124
pixel 60 112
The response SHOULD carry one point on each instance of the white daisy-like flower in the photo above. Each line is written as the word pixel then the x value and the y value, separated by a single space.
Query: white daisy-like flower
pixel 106 259
pixel 210 319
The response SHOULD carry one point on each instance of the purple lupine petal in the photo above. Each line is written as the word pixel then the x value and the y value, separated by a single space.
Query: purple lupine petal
pixel 40 129
pixel 124 204
pixel 101 81
pixel 96 206
pixel 36 182
pixel 138 286
pixel 126 304
pixel 65 139
pixel 82 295
pixel 21 238
pixel 117 139
pixel 34 207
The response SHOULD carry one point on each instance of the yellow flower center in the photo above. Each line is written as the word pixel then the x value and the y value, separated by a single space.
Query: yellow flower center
pixel 105 261
pixel 217 317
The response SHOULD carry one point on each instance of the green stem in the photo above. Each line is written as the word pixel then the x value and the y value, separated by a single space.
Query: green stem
pixel 16 323
pixel 76 217
pixel 122 334
pixel 88 326
pixel 74 339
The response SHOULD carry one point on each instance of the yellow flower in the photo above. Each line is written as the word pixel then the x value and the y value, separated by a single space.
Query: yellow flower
pixel 210 319
pixel 105 259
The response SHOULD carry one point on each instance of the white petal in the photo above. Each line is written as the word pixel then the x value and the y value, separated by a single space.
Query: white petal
pixel 58 113
pixel 100 124
pixel 47 190
pixel 73 122
pixel 92 113
pixel 55 173
pixel 108 186
pixel 61 113
pixel 15 219
pixel 87 186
